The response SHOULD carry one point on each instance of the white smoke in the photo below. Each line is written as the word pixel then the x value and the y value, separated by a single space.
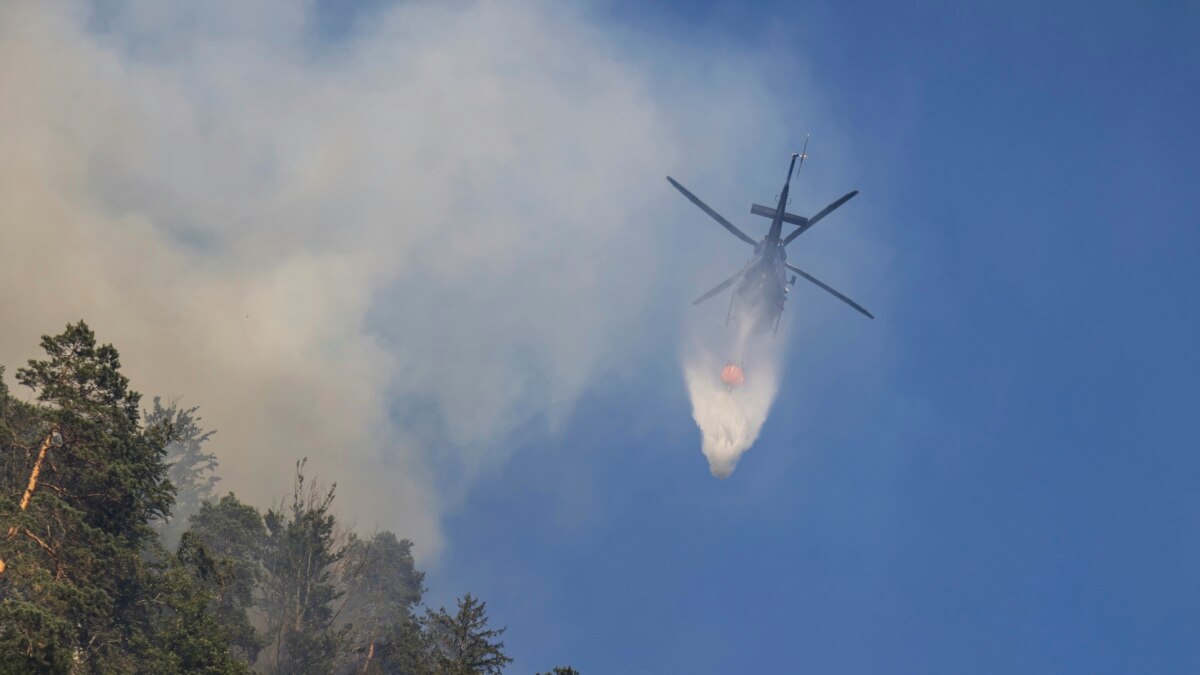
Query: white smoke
pixel 730 419
pixel 387 252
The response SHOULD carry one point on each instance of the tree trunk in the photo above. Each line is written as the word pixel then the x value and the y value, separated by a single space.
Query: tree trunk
pixel 370 654
pixel 33 478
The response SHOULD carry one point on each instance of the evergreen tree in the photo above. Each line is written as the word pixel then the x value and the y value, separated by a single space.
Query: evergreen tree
pixel 191 470
pixel 231 536
pixel 302 557
pixel 85 584
pixel 182 634
pixel 111 471
pixel 463 644
pixel 36 633
pixel 75 551
pixel 383 588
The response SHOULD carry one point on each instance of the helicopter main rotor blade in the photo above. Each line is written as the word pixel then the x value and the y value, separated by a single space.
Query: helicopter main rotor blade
pixel 813 221
pixel 839 296
pixel 720 287
pixel 715 216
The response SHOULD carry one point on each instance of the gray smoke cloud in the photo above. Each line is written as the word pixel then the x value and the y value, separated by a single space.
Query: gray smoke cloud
pixel 456 208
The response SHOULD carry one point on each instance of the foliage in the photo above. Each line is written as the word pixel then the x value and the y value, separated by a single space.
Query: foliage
pixel 183 635
pixel 463 644
pixel 88 586
pixel 112 470
pixel 85 581
pixel 302 557
pixel 230 537
pixel 192 470
pixel 383 591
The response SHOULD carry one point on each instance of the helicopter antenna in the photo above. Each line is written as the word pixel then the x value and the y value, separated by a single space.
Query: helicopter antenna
pixel 803 155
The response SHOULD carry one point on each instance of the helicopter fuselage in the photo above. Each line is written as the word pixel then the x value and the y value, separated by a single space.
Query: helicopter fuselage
pixel 761 290
pixel 762 287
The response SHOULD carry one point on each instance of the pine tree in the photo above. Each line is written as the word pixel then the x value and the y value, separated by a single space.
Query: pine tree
pixel 302 558
pixel 36 633
pixel 75 551
pixel 113 472
pixel 192 470
pixel 383 588
pixel 231 537
pixel 463 644
pixel 85 585
pixel 182 634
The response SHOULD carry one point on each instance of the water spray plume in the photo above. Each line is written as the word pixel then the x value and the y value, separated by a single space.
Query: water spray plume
pixel 730 418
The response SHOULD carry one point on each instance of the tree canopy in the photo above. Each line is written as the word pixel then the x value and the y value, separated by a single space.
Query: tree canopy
pixel 117 557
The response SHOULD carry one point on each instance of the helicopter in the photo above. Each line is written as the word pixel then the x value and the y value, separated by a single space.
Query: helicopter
pixel 761 286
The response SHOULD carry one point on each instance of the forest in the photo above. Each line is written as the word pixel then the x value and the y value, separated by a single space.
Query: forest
pixel 118 555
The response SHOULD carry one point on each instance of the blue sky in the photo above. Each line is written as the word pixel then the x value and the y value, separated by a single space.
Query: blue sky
pixel 1011 482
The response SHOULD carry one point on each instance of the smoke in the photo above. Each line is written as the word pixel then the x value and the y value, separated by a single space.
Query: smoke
pixel 385 250
pixel 730 419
